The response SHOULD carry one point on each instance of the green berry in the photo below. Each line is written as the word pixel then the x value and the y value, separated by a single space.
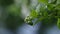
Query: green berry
pixel 28 20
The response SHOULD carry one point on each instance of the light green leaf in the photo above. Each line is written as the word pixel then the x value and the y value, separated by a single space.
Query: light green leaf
pixel 43 1
pixel 34 14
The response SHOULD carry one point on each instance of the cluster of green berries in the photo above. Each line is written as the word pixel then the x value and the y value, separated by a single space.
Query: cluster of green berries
pixel 28 20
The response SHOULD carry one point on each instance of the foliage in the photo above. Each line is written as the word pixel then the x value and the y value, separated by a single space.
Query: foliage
pixel 14 19
pixel 6 2
pixel 48 13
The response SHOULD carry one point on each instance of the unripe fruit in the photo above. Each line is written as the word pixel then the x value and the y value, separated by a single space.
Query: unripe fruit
pixel 28 20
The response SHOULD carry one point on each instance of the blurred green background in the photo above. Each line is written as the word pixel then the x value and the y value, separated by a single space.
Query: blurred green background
pixel 12 14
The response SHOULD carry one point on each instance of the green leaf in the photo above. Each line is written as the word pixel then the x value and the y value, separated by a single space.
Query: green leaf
pixel 34 14
pixel 43 11
pixel 53 1
pixel 51 6
pixel 39 20
pixel 58 23
pixel 57 7
pixel 43 1
pixel 58 13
